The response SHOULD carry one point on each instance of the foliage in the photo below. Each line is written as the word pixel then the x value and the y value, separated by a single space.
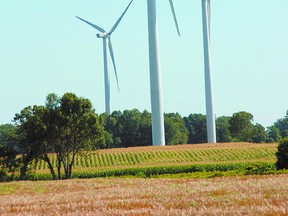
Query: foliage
pixel 8 159
pixel 145 129
pixel 30 136
pixel 111 125
pixel 64 125
pixel 7 134
pixel 282 125
pixel 241 127
pixel 132 128
pixel 282 154
pixel 8 150
pixel 196 126
pixel 175 129
pixel 72 126
pixel 259 134
pixel 129 128
pixel 222 129
pixel 246 168
pixel 273 134
pixel 130 122
pixel 104 120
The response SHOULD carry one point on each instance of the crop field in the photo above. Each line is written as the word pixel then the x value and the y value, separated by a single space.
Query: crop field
pixel 245 195
pixel 168 156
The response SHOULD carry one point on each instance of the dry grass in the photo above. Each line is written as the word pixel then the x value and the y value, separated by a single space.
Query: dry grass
pixel 249 195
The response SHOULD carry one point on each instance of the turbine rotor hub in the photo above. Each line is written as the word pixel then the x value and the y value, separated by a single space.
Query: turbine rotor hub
pixel 102 35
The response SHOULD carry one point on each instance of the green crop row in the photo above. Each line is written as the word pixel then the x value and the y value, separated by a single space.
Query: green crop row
pixel 104 160
pixel 247 168
pixel 196 171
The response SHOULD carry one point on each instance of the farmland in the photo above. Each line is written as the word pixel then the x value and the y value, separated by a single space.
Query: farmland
pixel 180 155
pixel 177 194
pixel 246 195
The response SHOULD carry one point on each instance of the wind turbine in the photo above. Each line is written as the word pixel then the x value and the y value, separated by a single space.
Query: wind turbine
pixel 107 36
pixel 210 117
pixel 158 133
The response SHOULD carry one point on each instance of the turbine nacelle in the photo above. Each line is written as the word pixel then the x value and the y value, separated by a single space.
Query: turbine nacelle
pixel 103 35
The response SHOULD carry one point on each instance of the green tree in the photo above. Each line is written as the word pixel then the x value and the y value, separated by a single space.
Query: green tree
pixel 104 120
pixel 31 136
pixel 273 134
pixel 282 125
pixel 8 159
pixel 145 129
pixel 113 126
pixel 282 154
pixel 9 162
pixel 130 127
pixel 241 127
pixel 65 125
pixel 175 129
pixel 222 129
pixel 7 132
pixel 259 135
pixel 74 126
pixel 196 126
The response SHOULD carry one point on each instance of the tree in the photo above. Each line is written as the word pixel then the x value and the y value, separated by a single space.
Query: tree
pixel 64 125
pixel 282 125
pixel 196 126
pixel 31 136
pixel 72 126
pixel 7 131
pixel 241 127
pixel 145 129
pixel 282 154
pixel 8 159
pixel 175 129
pixel 222 128
pixel 104 121
pixel 113 126
pixel 9 162
pixel 130 128
pixel 273 134
pixel 259 135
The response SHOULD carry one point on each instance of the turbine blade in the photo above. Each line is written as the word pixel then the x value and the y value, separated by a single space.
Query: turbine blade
pixel 113 60
pixel 174 16
pixel 93 25
pixel 120 18
pixel 209 15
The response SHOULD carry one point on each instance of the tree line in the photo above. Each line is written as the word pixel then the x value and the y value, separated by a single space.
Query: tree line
pixel 68 125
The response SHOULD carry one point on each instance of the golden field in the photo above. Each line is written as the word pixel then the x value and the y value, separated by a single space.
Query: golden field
pixel 246 195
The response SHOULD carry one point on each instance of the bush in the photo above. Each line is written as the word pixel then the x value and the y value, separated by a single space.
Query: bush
pixel 248 168
pixel 282 154
pixel 3 176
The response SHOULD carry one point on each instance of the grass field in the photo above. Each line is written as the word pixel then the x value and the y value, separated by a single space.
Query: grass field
pixel 165 194
pixel 246 195
pixel 113 159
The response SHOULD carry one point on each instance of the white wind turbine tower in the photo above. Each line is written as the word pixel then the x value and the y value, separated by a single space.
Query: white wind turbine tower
pixel 210 117
pixel 107 35
pixel 158 133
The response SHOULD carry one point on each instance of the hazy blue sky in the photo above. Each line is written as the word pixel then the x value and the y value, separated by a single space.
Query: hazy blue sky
pixel 45 49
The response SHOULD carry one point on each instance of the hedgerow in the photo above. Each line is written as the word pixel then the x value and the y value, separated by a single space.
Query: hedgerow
pixel 246 168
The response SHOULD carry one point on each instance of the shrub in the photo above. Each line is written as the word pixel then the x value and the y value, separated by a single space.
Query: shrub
pixel 3 176
pixel 282 154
